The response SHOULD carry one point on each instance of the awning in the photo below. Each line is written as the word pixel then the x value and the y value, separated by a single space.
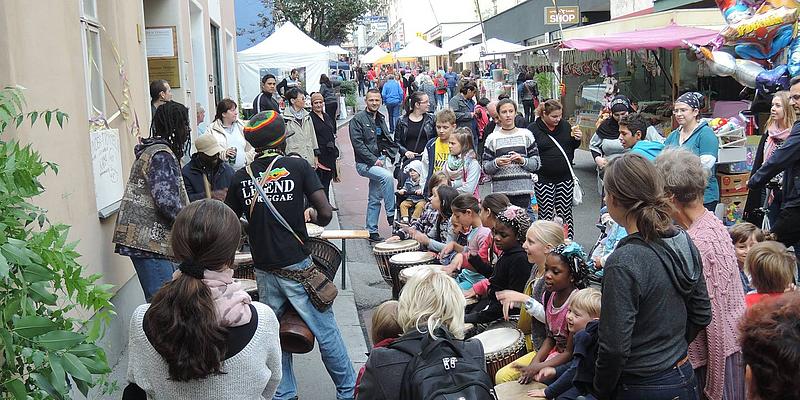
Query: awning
pixel 668 37
pixel 417 47
pixel 494 48
pixel 373 55
pixel 391 58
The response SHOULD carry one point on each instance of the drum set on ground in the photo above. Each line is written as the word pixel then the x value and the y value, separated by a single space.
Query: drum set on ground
pixel 502 342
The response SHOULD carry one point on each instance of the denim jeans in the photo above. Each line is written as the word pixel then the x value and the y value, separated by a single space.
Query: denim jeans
pixel 440 101
pixel 277 292
pixel 451 91
pixel 153 273
pixel 394 114
pixel 676 383
pixel 381 186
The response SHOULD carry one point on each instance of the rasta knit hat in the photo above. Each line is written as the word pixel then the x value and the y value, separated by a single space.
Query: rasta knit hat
pixel 265 130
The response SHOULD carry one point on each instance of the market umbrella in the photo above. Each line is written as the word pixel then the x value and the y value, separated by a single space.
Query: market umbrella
pixel 391 58
pixel 668 37
pixel 334 52
pixel 494 47
pixel 417 47
pixel 373 55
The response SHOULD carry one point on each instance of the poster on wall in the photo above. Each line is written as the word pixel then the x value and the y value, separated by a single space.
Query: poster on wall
pixel 109 183
pixel 161 45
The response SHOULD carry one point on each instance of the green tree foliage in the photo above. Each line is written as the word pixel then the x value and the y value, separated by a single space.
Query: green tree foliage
pixel 326 21
pixel 47 346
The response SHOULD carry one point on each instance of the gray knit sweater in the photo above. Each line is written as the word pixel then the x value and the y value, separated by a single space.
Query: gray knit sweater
pixel 251 374
pixel 512 179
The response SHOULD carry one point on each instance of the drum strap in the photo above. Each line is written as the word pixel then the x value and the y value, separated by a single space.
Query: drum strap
pixel 274 211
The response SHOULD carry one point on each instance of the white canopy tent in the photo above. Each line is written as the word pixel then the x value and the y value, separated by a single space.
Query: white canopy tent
pixel 335 51
pixel 495 48
pixel 417 47
pixel 288 47
pixel 373 55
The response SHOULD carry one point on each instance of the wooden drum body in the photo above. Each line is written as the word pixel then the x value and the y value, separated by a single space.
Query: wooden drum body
pixel 501 347
pixel 516 391
pixel 385 250
pixel 401 261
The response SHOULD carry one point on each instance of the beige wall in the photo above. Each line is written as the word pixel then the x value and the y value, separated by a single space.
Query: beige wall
pixel 42 46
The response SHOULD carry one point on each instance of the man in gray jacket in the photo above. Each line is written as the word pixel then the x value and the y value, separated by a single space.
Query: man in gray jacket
pixel 374 150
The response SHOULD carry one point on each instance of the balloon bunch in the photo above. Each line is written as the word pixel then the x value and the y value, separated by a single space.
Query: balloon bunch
pixel 759 32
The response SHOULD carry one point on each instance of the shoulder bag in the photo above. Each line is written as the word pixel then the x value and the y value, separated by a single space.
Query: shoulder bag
pixel 320 289
pixel 577 191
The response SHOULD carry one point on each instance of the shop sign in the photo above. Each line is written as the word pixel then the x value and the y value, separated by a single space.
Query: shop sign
pixel 565 15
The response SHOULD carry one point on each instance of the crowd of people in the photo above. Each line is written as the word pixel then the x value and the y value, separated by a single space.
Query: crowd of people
pixel 668 305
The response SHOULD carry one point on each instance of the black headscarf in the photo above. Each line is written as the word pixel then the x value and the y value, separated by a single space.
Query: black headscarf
pixel 692 99
pixel 609 128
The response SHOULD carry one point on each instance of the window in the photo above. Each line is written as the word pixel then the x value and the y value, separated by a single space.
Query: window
pixel 93 64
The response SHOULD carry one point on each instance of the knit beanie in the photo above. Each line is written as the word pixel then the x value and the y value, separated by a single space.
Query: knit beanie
pixel 265 130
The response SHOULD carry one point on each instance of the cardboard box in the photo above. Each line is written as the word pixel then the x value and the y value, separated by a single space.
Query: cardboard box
pixel 733 209
pixel 731 155
pixel 733 184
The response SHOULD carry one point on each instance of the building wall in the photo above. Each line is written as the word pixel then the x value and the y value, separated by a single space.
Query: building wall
pixel 43 47
pixel 526 20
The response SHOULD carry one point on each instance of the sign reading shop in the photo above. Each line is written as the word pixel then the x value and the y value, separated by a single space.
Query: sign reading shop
pixel 566 15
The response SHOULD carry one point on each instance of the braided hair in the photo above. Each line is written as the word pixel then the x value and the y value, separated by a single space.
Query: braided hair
pixel 517 219
pixel 572 254
pixel 171 123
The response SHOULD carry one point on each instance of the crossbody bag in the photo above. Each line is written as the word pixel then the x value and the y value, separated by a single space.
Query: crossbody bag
pixel 577 191
pixel 320 289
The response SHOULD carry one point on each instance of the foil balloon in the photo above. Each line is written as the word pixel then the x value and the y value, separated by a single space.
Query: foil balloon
pixel 721 63
pixel 764 34
pixel 793 63
pixel 746 72
pixel 773 80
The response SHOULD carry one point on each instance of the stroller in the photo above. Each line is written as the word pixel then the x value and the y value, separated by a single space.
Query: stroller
pixel 610 234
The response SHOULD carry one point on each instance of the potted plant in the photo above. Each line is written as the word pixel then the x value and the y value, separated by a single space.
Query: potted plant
pixel 49 348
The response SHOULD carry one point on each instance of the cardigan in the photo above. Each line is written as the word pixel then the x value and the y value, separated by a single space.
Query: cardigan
pixel 253 373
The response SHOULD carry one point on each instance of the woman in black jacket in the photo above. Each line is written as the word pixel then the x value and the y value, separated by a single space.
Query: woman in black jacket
pixel 431 304
pixel 325 130
pixel 416 128
pixel 554 187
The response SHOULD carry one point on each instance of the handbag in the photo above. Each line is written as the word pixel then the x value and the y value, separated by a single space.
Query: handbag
pixel 577 191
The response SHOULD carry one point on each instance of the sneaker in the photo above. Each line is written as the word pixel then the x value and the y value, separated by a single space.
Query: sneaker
pixel 390 220
pixel 375 237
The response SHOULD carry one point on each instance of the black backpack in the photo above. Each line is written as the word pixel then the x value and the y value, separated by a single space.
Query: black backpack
pixel 439 370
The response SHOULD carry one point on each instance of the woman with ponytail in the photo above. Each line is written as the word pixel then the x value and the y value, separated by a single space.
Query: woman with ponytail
pixel 715 353
pixel 416 127
pixel 654 293
pixel 202 337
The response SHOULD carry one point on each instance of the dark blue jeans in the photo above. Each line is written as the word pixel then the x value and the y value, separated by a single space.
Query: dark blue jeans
pixel 153 273
pixel 394 114
pixel 676 383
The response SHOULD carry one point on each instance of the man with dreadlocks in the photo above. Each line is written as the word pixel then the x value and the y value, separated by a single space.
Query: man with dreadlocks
pixel 277 234
pixel 512 269
pixel 154 195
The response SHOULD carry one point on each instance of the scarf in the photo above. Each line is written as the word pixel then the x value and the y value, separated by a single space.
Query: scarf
pixel 608 129
pixel 230 300
pixel 774 139
pixel 691 99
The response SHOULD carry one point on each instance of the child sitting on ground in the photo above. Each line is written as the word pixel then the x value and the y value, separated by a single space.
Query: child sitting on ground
pixel 744 235
pixel 385 329
pixel 565 272
pixel 512 269
pixel 429 217
pixel 771 269
pixel 576 377
pixel 412 191
pixel 491 205
pixel 463 168
pixel 466 212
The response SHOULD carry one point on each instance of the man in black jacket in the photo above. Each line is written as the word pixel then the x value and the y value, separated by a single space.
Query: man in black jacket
pixel 374 150
pixel 206 175
pixel 786 158
pixel 266 99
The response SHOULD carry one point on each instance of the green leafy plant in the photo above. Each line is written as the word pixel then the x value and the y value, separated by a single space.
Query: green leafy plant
pixel 351 100
pixel 48 348
pixel 347 88
pixel 545 82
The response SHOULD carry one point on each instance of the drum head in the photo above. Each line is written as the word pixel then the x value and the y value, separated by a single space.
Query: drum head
pixel 314 230
pixel 498 339
pixel 516 391
pixel 412 258
pixel 407 273
pixel 248 285
pixel 394 246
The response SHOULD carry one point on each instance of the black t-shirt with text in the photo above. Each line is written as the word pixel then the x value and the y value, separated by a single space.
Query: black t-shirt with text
pixel 290 181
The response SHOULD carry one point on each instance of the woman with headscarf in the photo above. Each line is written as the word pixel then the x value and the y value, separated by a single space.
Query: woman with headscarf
pixel 696 136
pixel 605 144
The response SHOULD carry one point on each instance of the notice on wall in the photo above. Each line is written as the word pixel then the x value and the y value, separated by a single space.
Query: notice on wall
pixel 109 183
pixel 166 69
pixel 161 42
